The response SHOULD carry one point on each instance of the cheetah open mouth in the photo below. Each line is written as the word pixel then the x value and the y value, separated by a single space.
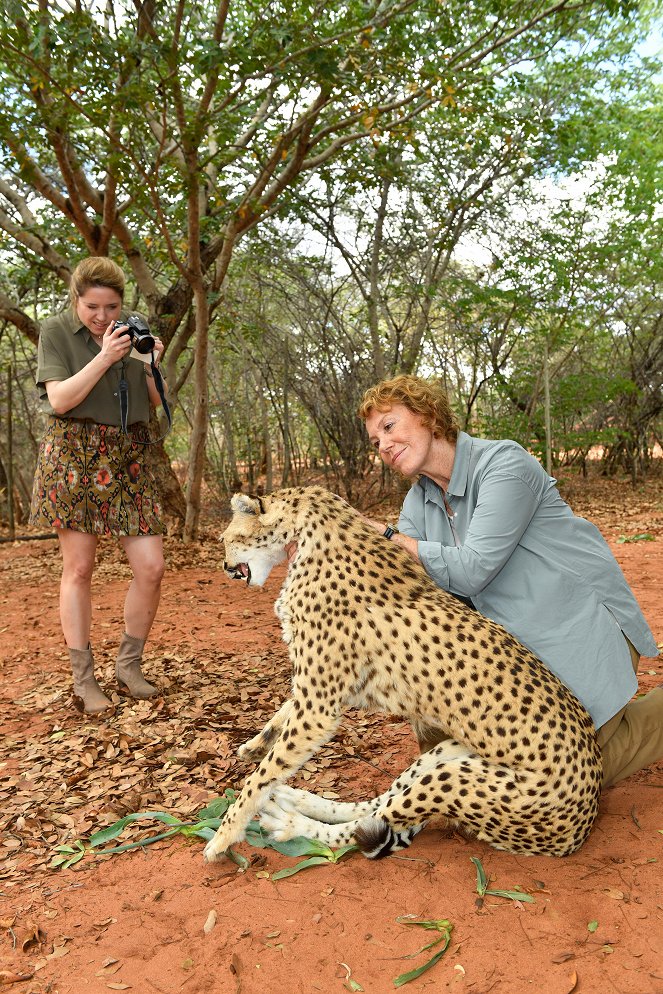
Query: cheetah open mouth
pixel 241 571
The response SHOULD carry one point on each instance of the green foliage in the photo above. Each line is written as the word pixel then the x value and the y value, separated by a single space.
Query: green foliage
pixel 165 138
pixel 441 925
pixel 203 827
pixel 482 886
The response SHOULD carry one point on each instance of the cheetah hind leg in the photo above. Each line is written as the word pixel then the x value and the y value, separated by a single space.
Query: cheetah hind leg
pixel 291 812
pixel 283 825
pixel 322 809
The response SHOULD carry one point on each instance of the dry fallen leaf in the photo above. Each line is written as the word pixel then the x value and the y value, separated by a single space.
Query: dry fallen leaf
pixel 563 957
pixel 109 970
pixel 9 977
pixel 210 922
pixel 35 937
pixel 573 980
pixel 58 953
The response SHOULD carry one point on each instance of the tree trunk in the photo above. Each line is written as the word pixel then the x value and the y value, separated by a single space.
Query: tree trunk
pixel 267 443
pixel 286 419
pixel 168 485
pixel 374 293
pixel 546 407
pixel 200 416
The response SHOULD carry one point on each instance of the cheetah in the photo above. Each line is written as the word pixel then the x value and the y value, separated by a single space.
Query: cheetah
pixel 367 628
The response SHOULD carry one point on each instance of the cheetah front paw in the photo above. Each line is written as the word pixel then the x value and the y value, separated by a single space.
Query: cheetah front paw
pixel 253 750
pixel 213 851
pixel 217 847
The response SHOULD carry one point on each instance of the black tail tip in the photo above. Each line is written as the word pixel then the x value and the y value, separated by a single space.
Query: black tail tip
pixel 374 838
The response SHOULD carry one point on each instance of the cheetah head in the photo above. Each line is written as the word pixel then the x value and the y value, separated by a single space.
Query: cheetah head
pixel 255 539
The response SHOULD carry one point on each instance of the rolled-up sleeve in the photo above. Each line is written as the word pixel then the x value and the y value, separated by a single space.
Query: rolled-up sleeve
pixel 50 364
pixel 505 506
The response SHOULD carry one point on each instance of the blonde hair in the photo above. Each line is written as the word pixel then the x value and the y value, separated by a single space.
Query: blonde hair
pixel 93 272
pixel 428 400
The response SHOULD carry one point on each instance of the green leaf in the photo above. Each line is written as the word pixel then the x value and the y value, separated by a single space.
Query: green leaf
pixel 405 978
pixel 483 891
pixel 139 843
pixel 442 925
pixel 113 831
pixel 592 926
pixel 201 833
pixel 338 854
pixel 237 858
pixel 69 855
pixel 298 846
pixel 482 879
pixel 512 895
pixel 209 820
pixel 643 537
pixel 290 871
pixel 352 985
pixel 216 808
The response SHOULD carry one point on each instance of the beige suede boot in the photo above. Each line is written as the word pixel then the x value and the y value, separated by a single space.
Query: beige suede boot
pixel 127 669
pixel 88 695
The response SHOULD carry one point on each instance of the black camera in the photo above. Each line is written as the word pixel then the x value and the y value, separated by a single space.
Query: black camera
pixel 138 332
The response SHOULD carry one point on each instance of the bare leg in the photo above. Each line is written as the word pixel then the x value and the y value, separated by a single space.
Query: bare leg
pixel 78 555
pixel 78 551
pixel 145 555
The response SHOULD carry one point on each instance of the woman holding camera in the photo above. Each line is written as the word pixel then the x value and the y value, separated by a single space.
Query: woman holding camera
pixel 91 477
pixel 489 525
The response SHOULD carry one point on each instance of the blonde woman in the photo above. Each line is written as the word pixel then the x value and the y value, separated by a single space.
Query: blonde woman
pixel 489 525
pixel 91 478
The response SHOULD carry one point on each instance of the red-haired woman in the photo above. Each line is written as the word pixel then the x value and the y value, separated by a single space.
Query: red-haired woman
pixel 489 525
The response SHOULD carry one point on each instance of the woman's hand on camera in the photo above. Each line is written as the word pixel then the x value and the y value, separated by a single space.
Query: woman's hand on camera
pixel 116 343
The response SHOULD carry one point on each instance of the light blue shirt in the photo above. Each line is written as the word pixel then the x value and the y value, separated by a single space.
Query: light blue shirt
pixel 512 546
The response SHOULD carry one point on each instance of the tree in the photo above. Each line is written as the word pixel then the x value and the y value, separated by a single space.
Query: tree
pixel 162 133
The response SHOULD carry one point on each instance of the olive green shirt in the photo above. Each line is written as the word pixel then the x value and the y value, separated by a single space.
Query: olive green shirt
pixel 65 347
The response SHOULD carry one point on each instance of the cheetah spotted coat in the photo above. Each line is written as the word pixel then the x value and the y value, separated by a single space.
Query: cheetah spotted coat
pixel 367 628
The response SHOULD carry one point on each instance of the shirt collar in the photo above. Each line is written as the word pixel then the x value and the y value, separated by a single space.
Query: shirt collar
pixel 459 473
pixel 74 322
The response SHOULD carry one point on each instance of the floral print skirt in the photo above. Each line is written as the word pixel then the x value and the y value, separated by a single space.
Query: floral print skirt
pixel 92 478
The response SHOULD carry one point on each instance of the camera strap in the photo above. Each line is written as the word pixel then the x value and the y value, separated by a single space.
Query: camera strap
pixel 123 389
pixel 158 382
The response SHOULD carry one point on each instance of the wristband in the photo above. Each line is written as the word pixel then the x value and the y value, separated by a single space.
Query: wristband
pixel 390 531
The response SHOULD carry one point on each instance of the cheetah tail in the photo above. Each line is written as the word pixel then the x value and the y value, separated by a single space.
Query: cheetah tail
pixel 376 838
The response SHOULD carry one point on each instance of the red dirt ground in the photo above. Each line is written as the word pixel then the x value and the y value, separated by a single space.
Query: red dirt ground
pixel 136 921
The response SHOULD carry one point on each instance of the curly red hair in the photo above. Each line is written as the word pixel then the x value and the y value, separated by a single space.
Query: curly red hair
pixel 427 399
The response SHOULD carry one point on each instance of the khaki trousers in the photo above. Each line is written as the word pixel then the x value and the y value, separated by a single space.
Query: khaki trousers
pixel 631 740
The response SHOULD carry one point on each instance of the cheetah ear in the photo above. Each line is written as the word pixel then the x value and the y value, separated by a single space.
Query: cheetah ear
pixel 247 504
